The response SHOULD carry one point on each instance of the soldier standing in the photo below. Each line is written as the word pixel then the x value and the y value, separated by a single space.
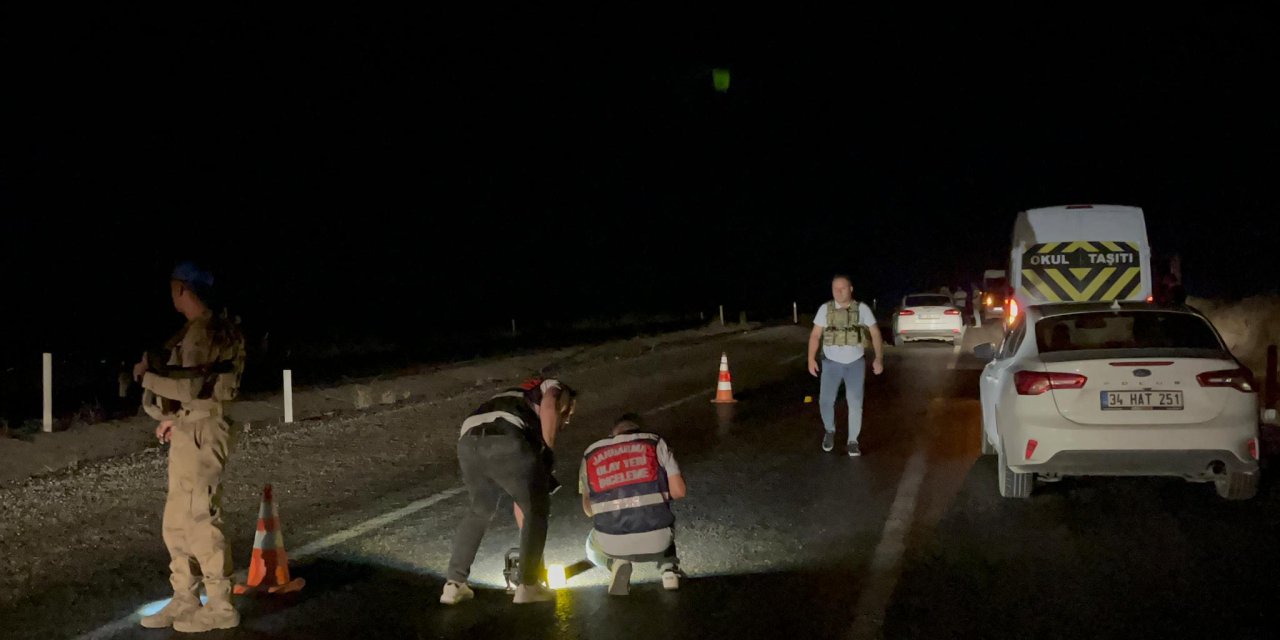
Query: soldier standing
pixel 187 396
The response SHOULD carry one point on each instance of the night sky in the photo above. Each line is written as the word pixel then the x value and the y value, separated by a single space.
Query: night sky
pixel 398 174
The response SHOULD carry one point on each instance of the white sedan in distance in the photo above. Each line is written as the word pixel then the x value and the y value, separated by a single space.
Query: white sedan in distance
pixel 928 316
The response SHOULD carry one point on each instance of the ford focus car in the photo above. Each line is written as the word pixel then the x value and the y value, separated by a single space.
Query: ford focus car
pixel 1119 389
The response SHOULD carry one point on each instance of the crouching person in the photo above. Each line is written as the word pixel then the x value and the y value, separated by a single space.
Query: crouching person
pixel 628 481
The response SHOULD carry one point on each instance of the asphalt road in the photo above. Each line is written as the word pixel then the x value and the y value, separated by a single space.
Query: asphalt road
pixel 780 539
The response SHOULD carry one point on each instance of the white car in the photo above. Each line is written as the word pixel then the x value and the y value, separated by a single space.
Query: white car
pixel 1119 389
pixel 928 316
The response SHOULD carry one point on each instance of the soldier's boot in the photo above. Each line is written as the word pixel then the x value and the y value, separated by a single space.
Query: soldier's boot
pixel 217 613
pixel 184 602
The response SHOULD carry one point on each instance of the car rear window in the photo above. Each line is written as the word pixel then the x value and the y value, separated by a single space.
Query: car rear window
pixel 1125 330
pixel 928 301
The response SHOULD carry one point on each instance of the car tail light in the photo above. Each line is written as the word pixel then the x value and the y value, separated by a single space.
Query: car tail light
pixel 1031 448
pixel 988 300
pixel 955 331
pixel 952 312
pixel 1034 383
pixel 906 312
pixel 1253 448
pixel 1151 299
pixel 1013 310
pixel 1239 379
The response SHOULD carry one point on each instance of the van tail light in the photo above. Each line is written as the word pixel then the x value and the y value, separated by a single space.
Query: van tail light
pixel 1034 383
pixel 1239 379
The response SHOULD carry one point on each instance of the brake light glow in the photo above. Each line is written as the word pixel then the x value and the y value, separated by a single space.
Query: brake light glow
pixel 1031 448
pixel 988 300
pixel 952 312
pixel 1013 311
pixel 1034 383
pixel 1151 299
pixel 906 312
pixel 1239 379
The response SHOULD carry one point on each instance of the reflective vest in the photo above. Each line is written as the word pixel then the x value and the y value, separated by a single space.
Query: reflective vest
pixel 844 326
pixel 515 406
pixel 626 485
pixel 510 406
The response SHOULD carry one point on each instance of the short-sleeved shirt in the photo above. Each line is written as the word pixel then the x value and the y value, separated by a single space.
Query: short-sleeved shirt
pixel 630 544
pixel 850 353
pixel 535 388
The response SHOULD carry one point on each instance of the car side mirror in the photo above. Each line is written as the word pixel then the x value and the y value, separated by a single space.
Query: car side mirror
pixel 1270 418
pixel 985 351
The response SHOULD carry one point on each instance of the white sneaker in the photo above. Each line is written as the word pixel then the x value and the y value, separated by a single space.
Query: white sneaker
pixel 455 592
pixel 530 593
pixel 620 581
pixel 670 580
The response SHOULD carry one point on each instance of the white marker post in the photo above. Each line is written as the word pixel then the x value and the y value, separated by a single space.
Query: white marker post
pixel 288 396
pixel 722 315
pixel 513 326
pixel 48 393
pixel 795 314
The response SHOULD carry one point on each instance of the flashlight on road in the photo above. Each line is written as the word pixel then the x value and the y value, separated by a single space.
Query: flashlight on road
pixel 555 576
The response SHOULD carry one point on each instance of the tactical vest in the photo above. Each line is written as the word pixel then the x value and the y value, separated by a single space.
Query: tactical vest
pixel 844 326
pixel 229 352
pixel 626 485
pixel 219 380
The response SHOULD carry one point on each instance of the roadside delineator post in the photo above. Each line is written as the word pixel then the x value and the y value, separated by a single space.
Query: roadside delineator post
pixel 47 378
pixel 288 396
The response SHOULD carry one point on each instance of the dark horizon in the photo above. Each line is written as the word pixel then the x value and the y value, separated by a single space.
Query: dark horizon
pixel 460 172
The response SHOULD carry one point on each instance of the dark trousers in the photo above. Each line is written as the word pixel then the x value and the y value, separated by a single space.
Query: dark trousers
pixel 494 464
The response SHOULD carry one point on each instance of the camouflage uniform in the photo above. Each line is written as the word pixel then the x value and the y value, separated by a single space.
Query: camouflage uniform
pixel 198 450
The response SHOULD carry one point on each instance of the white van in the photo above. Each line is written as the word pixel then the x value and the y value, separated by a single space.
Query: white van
pixel 1078 253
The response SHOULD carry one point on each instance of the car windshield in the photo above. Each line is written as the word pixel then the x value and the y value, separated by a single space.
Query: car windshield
pixel 1125 330
pixel 927 301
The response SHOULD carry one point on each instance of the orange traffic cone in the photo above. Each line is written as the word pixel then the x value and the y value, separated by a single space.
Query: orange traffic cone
pixel 724 387
pixel 269 567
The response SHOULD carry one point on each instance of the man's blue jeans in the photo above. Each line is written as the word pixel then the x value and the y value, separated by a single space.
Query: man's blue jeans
pixel 854 375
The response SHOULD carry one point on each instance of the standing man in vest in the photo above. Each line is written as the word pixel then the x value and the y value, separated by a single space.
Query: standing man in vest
pixel 503 449
pixel 186 396
pixel 627 482
pixel 844 328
